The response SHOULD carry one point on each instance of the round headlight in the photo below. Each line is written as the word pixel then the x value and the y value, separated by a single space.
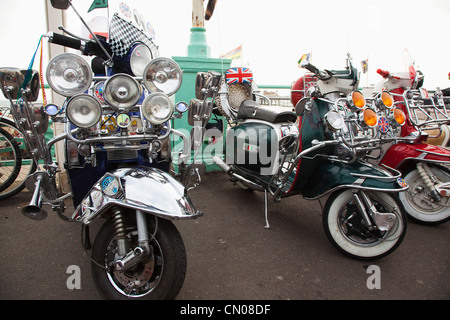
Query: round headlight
pixel 358 99
pixel 387 99
pixel 157 108
pixel 140 57
pixel 399 116
pixel 334 120
pixel 69 74
pixel 84 111
pixel 122 91
pixel 163 75
pixel 370 117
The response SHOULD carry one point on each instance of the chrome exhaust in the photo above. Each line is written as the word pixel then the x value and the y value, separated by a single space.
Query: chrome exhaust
pixel 227 169
pixel 34 209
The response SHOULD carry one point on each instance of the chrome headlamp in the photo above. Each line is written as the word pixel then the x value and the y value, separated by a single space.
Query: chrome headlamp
pixel 139 59
pixel 122 91
pixel 69 74
pixel 84 111
pixel 163 75
pixel 334 120
pixel 157 108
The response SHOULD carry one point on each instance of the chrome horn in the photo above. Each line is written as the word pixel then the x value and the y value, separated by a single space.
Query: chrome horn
pixel 34 209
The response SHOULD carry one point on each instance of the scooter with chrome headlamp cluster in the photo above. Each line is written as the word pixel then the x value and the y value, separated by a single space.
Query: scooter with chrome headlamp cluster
pixel 117 127
pixel 317 152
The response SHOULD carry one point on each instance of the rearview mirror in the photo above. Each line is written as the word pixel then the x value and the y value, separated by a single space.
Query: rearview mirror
pixel 303 106
pixel 60 4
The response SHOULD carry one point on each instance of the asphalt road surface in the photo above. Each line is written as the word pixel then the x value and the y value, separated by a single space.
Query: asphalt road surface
pixel 230 254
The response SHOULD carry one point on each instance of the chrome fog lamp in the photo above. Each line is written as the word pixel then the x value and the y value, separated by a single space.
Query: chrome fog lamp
pixel 358 100
pixel 370 117
pixel 139 59
pixel 334 120
pixel 69 74
pixel 122 91
pixel 84 111
pixel 385 100
pixel 163 75
pixel 399 116
pixel 157 108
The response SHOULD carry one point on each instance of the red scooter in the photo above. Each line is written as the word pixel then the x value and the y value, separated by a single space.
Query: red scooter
pixel 425 167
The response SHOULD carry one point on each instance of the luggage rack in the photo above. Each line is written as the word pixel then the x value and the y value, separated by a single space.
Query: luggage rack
pixel 427 111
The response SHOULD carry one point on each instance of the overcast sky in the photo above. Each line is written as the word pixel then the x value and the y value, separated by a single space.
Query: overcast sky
pixel 274 34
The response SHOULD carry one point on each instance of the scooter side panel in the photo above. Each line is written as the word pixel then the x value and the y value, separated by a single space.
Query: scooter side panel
pixel 333 176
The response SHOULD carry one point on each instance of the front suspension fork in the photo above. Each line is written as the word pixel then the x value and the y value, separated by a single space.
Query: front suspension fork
pixel 373 219
pixel 130 258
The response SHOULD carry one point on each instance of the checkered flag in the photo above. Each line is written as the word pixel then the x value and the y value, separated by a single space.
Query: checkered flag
pixel 123 34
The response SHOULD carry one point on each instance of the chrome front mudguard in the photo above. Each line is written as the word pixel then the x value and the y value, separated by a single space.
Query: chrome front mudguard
pixel 149 190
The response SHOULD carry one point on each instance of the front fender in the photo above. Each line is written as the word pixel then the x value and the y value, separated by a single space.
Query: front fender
pixel 149 190
pixel 330 177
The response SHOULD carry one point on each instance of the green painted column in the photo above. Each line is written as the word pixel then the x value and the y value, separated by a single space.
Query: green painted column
pixel 197 60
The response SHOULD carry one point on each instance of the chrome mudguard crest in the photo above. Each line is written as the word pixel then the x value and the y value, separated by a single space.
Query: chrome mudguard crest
pixel 147 189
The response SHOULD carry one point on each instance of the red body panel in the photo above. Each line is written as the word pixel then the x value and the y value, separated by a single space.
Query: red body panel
pixel 399 152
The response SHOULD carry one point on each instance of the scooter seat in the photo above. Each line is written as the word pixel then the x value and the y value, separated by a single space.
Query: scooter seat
pixel 250 109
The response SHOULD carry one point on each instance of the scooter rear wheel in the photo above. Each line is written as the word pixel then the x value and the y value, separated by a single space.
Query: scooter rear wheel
pixel 344 226
pixel 418 203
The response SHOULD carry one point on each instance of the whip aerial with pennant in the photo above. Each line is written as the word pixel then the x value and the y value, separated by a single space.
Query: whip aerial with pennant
pixel 98 4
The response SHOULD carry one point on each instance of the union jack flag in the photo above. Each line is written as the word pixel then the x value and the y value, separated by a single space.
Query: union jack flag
pixel 239 75
pixel 402 183
pixel 383 124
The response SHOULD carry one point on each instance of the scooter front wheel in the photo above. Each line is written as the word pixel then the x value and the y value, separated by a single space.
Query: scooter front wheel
pixel 158 277
pixel 418 203
pixel 345 225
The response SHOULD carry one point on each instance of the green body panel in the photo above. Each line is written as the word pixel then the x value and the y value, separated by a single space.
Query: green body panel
pixel 329 176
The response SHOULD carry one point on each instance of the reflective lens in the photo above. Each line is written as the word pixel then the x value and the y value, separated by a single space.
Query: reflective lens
pixel 140 57
pixel 51 109
pixel 69 74
pixel 163 75
pixel 370 117
pixel 399 116
pixel 387 99
pixel 157 108
pixel 84 111
pixel 181 107
pixel 334 120
pixel 358 99
pixel 122 91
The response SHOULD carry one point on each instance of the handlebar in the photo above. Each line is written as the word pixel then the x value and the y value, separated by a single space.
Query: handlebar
pixel 87 48
pixel 385 74
pixel 65 41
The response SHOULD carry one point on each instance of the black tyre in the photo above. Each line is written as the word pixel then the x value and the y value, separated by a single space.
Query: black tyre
pixel 28 165
pixel 160 278
pixel 10 159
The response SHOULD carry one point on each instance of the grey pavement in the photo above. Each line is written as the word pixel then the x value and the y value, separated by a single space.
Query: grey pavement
pixel 230 254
